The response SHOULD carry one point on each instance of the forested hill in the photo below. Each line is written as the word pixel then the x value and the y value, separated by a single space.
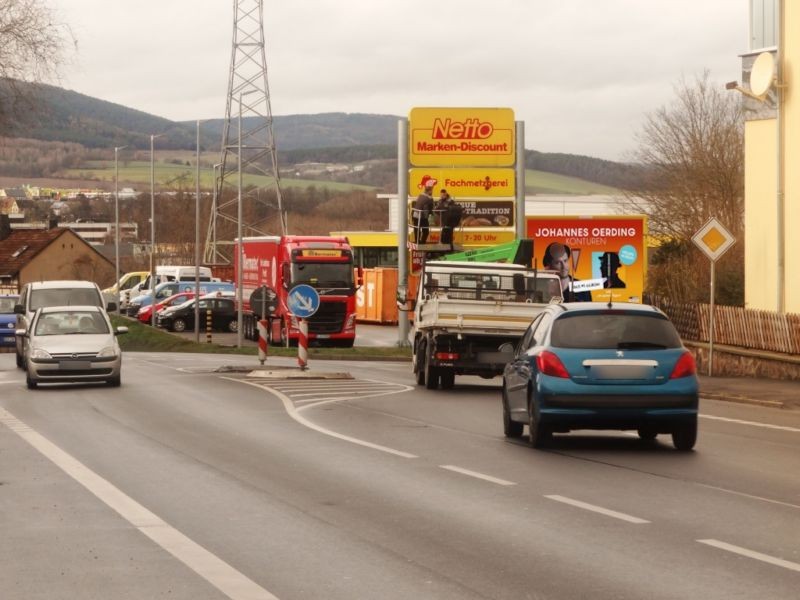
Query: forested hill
pixel 60 115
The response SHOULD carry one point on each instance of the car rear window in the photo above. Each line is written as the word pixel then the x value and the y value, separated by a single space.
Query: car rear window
pixel 64 297
pixel 614 330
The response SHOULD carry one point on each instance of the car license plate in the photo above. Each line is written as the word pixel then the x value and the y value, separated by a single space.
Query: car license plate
pixel 74 365
pixel 323 336
pixel 8 339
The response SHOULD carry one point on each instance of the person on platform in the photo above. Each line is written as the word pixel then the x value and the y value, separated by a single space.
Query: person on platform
pixel 423 207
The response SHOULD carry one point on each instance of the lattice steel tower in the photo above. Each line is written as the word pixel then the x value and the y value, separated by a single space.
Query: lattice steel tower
pixel 248 114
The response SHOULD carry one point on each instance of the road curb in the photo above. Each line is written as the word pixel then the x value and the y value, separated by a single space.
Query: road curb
pixel 741 399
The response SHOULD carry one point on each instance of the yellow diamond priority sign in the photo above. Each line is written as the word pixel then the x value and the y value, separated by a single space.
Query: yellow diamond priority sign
pixel 713 239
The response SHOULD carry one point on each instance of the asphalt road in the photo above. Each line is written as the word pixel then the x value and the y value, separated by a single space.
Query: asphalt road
pixel 191 483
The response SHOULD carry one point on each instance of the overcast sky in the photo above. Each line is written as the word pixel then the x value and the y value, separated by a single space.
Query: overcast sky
pixel 581 74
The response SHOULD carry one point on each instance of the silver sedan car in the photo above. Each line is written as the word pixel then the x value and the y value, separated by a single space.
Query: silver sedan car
pixel 72 344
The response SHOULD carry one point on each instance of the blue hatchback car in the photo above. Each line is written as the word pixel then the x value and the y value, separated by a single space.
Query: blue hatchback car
pixel 8 321
pixel 592 365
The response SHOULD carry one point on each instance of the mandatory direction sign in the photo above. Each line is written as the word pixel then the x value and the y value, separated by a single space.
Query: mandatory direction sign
pixel 303 301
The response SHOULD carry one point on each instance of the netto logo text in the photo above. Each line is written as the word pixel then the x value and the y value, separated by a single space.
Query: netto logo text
pixel 470 129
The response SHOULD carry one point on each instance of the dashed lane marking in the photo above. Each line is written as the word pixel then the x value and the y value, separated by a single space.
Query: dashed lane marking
pixel 477 475
pixel 778 562
pixel 597 509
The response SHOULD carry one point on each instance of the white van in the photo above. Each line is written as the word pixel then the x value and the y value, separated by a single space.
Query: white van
pixel 172 273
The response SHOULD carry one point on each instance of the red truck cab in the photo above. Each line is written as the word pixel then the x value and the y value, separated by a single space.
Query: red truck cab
pixel 323 262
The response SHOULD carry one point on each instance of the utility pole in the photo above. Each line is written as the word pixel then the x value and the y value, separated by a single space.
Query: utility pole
pixel 247 78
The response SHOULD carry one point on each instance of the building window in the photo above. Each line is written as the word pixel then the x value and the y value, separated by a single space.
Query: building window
pixel 763 24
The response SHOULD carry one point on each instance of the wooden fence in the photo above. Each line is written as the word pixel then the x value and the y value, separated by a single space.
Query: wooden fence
pixel 734 326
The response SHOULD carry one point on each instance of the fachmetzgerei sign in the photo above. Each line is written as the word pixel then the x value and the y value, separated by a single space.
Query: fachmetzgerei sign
pixel 464 183
pixel 466 137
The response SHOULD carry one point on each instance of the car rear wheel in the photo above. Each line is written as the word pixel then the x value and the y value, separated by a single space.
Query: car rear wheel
pixel 539 435
pixel 685 436
pixel 179 325
pixel 511 429
pixel 233 326
pixel 647 433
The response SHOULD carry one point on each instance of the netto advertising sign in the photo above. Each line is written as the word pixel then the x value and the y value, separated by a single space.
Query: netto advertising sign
pixel 475 137
pixel 465 183
pixel 606 255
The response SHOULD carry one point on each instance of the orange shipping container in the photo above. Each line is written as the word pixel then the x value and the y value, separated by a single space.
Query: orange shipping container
pixel 375 300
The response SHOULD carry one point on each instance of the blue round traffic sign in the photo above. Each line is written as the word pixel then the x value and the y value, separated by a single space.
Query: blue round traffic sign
pixel 303 300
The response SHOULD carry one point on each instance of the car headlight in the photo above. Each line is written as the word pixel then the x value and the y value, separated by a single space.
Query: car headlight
pixel 40 354
pixel 107 351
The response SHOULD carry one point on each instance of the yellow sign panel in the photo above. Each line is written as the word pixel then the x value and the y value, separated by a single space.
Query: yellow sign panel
pixel 475 137
pixel 321 252
pixel 464 183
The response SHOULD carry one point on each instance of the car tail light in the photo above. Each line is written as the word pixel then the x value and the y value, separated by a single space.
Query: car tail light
pixel 684 367
pixel 549 364
pixel 447 356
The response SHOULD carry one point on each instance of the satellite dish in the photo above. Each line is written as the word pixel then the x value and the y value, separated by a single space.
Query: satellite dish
pixel 762 75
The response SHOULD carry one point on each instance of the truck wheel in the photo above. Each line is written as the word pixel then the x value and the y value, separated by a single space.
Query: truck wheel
pixel 431 374
pixel 448 377
pixel 420 364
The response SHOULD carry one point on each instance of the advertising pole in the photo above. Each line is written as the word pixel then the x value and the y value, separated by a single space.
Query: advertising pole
pixel 402 225
pixel 520 185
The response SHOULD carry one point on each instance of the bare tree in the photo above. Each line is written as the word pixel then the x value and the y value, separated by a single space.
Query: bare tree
pixel 693 154
pixel 32 50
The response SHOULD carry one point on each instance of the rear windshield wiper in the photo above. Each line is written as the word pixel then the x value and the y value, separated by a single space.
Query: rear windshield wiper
pixel 640 345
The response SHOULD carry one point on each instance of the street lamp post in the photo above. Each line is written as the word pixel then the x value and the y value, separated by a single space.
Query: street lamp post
pixel 153 231
pixel 116 220
pixel 240 250
pixel 197 243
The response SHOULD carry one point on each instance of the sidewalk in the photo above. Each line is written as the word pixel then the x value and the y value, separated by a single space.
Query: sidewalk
pixel 778 393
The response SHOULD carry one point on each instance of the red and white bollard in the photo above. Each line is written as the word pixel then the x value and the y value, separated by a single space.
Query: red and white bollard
pixel 302 345
pixel 262 340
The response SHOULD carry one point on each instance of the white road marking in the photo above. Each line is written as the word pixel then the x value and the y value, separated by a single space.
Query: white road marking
pixel 213 569
pixel 752 423
pixel 478 475
pixel 294 413
pixel 778 562
pixel 597 509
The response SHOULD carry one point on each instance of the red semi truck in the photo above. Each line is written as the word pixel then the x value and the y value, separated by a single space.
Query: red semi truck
pixel 282 262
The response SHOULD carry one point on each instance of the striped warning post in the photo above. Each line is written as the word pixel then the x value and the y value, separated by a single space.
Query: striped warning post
pixel 302 344
pixel 262 340
pixel 209 321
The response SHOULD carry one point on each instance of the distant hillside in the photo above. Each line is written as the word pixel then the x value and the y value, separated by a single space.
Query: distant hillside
pixel 68 117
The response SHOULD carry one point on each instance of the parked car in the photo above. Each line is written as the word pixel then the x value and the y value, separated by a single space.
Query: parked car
pixel 72 344
pixel 8 320
pixel 38 294
pixel 167 289
pixel 145 314
pixel 601 366
pixel 180 318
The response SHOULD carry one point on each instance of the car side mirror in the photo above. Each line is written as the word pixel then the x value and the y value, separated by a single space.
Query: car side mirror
pixel 121 330
pixel 19 309
pixel 21 333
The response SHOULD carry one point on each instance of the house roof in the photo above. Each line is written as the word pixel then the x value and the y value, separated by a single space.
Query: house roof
pixel 8 205
pixel 22 245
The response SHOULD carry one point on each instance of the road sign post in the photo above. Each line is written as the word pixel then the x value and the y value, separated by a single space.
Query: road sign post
pixel 714 240
pixel 303 302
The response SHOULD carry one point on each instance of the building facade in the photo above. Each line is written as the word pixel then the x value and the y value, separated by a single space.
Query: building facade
pixel 772 153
